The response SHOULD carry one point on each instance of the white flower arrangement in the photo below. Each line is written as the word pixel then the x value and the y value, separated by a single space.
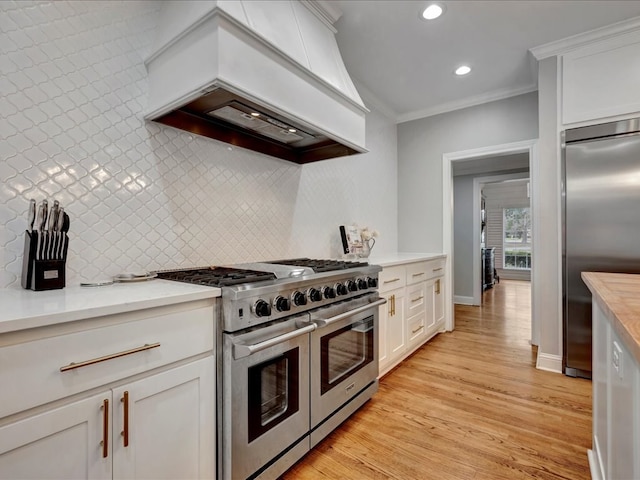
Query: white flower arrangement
pixel 367 234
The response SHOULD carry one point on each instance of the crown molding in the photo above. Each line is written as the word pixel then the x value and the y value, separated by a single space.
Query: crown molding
pixel 327 12
pixel 466 102
pixel 565 45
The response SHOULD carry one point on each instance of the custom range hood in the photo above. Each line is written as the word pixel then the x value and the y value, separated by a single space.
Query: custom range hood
pixel 263 75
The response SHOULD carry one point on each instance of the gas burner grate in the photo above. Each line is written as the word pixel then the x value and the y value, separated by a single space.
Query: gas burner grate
pixel 319 266
pixel 216 276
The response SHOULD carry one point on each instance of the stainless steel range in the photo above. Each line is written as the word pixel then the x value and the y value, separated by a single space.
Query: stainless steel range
pixel 299 352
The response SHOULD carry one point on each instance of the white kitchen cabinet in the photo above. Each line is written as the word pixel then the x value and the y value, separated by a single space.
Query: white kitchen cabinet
pixel 418 304
pixel 154 371
pixel 601 79
pixel 616 404
pixel 414 311
pixel 392 328
pixel 169 424
pixel 60 443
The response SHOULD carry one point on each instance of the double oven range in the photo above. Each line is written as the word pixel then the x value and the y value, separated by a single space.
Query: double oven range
pixel 298 354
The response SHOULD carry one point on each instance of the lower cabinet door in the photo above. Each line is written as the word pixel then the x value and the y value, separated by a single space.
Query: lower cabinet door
pixel 392 336
pixel 62 443
pixel 164 425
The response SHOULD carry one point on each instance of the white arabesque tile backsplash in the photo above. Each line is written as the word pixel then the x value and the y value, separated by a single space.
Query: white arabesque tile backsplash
pixel 143 196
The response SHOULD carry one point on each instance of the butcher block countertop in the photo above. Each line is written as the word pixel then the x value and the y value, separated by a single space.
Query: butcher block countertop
pixel 618 294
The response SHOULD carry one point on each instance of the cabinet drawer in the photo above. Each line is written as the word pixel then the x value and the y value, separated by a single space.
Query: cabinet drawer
pixel 391 278
pixel 435 268
pixel 111 353
pixel 416 272
pixel 416 326
pixel 416 297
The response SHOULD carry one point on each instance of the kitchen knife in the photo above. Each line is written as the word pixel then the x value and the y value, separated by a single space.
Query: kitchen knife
pixel 65 239
pixel 32 215
pixel 59 234
pixel 38 231
pixel 51 227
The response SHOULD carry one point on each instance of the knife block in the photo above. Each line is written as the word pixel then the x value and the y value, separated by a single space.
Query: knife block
pixel 42 274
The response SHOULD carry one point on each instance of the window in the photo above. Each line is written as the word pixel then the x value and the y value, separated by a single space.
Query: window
pixel 516 227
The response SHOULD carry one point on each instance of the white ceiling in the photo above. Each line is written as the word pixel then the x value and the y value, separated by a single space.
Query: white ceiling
pixel 408 63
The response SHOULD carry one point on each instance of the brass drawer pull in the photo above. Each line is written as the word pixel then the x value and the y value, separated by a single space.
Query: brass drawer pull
pixel 125 432
pixel 413 300
pixel 105 428
pixel 73 365
pixel 438 286
pixel 392 280
pixel 418 274
pixel 437 269
pixel 417 329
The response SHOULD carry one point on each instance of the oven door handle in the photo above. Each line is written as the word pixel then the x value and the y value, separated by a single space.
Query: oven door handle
pixel 241 350
pixel 323 322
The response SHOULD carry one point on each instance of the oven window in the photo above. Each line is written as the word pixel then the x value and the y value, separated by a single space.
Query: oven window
pixel 346 351
pixel 273 392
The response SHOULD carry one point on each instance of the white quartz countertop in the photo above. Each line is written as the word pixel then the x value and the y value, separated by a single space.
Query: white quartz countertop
pixel 21 309
pixel 389 260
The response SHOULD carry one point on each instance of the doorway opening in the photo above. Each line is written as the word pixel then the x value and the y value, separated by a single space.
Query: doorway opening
pixel 501 161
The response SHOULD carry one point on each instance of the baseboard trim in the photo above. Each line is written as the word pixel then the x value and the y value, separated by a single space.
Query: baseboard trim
pixel 550 363
pixel 593 465
pixel 460 300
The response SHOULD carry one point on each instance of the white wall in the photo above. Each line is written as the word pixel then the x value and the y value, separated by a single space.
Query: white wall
pixel 421 144
pixel 463 237
pixel 546 254
pixel 143 196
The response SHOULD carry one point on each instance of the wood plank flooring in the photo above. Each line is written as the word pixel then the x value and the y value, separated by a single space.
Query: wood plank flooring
pixel 468 405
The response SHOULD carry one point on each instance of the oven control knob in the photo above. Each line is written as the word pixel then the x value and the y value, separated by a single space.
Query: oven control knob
pixel 341 289
pixel 362 284
pixel 372 282
pixel 352 286
pixel 262 308
pixel 282 304
pixel 299 298
pixel 314 294
pixel 329 292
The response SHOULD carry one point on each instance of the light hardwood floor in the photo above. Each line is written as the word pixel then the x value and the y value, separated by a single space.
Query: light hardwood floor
pixel 468 405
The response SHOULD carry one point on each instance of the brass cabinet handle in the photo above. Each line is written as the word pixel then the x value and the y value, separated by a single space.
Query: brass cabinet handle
pixel 413 300
pixel 437 269
pixel 417 329
pixel 438 286
pixel 418 274
pixel 85 363
pixel 125 431
pixel 392 280
pixel 105 428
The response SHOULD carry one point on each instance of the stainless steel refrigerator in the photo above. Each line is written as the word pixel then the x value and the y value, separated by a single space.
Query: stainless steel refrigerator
pixel 601 223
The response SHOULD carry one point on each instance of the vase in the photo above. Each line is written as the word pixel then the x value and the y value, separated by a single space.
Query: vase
pixel 367 245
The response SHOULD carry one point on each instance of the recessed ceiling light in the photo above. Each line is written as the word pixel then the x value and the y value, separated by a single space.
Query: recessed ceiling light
pixel 255 114
pixel 432 12
pixel 463 70
pixel 292 130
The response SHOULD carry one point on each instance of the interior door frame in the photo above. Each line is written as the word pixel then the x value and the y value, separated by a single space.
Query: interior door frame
pixel 526 146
